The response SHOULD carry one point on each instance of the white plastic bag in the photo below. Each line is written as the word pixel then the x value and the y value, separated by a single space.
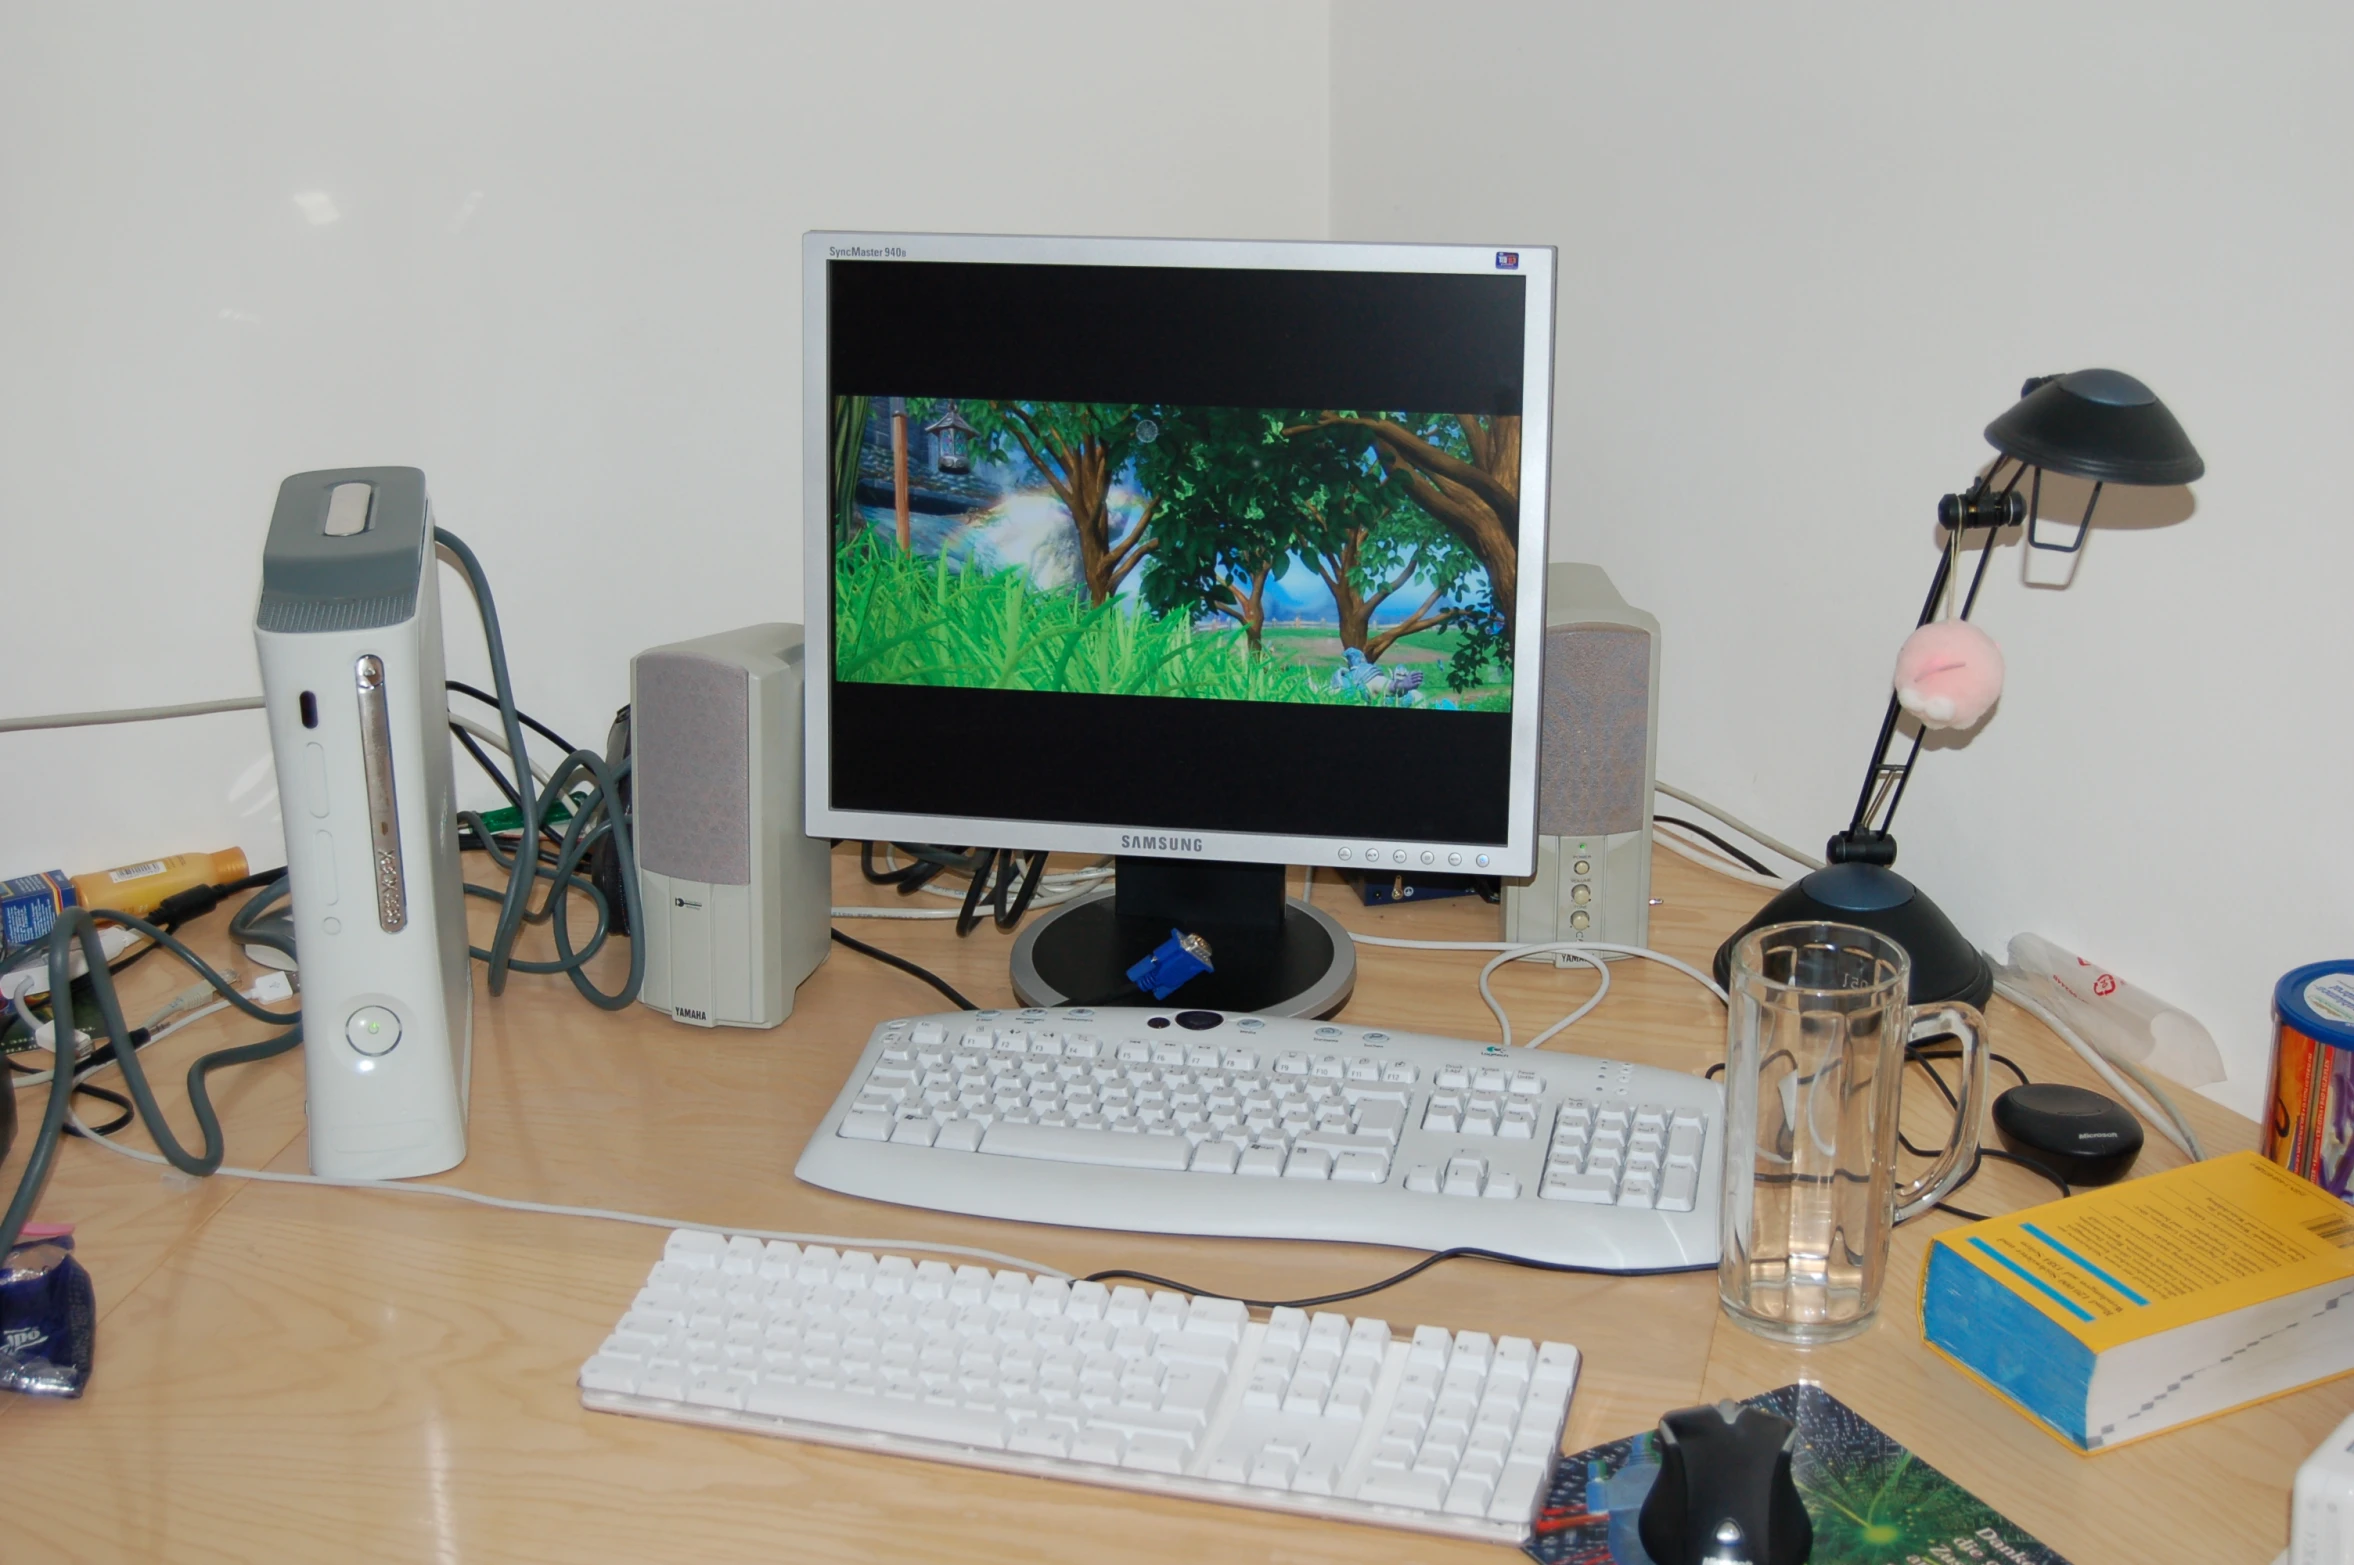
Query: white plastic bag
pixel 2121 1020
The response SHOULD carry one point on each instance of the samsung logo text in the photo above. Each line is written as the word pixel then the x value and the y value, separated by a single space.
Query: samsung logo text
pixel 1149 843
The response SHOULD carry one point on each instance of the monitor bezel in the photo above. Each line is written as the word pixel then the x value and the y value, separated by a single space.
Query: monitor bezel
pixel 1515 856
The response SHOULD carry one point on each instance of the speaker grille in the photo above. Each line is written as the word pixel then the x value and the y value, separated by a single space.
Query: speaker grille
pixel 1594 730
pixel 691 734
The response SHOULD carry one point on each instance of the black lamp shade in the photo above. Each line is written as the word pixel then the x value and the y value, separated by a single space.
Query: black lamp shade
pixel 2097 424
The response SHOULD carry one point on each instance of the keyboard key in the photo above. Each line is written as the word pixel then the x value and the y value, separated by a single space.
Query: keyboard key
pixel 865 1125
pixel 1464 1176
pixel 1419 1490
pixel 1360 1168
pixel 1215 1157
pixel 1597 1189
pixel 1678 1187
pixel 1063 1144
pixel 1264 1162
pixel 919 1420
pixel 1156 1453
pixel 1308 1162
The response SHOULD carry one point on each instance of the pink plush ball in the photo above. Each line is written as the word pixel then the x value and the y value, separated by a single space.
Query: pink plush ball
pixel 1949 673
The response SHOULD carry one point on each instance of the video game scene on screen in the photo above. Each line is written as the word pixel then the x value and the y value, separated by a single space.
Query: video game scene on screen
pixel 1334 556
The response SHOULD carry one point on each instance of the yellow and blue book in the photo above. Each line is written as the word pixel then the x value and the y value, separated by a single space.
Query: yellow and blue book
pixel 2130 1309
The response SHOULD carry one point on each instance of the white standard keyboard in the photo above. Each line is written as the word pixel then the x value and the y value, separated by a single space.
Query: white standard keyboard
pixel 1198 1122
pixel 1447 1432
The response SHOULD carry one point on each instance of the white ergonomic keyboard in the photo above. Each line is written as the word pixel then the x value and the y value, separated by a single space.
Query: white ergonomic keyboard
pixel 1199 1122
pixel 1323 1415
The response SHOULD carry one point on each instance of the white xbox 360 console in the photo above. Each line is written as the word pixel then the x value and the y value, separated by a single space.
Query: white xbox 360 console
pixel 1596 763
pixel 349 636
pixel 737 900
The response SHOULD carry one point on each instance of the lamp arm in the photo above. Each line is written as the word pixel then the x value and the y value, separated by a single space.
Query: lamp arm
pixel 1884 781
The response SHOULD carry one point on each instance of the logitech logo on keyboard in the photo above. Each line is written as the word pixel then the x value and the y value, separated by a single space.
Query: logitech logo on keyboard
pixel 1150 842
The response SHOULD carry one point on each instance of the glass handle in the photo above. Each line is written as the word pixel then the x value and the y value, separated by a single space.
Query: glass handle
pixel 1961 1155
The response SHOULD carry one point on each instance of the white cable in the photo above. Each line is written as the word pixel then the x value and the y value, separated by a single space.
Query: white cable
pixel 1739 825
pixel 129 714
pixel 1582 949
pixel 452 1192
pixel 1504 1022
pixel 497 741
pixel 2169 1124
pixel 1610 946
pixel 1663 834
pixel 1057 899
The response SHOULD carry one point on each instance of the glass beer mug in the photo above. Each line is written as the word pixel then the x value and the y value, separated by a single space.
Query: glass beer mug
pixel 1814 1046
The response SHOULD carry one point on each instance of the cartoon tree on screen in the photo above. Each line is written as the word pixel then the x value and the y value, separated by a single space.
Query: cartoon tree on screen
pixel 1223 482
pixel 1366 538
pixel 1464 470
pixel 1078 448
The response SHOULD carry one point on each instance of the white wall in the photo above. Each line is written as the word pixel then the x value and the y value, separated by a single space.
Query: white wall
pixel 548 252
pixel 1808 253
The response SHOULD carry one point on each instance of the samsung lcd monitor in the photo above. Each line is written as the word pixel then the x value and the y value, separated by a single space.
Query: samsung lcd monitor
pixel 1213 556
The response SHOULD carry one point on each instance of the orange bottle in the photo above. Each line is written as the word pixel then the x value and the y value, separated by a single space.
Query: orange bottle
pixel 138 889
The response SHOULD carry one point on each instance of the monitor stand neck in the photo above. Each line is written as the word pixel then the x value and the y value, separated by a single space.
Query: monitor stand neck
pixel 1190 891
pixel 1268 952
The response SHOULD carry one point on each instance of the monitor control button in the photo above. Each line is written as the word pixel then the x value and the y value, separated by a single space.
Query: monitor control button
pixel 1483 861
pixel 1372 854
pixel 1344 855
pixel 1398 855
pixel 372 1030
pixel 1454 859
pixel 1429 857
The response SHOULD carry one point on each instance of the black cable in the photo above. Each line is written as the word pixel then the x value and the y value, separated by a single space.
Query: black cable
pixel 1699 830
pixel 905 966
pixel 489 767
pixel 121 1121
pixel 968 916
pixel 1984 1153
pixel 1007 918
pixel 521 716
pixel 1460 1252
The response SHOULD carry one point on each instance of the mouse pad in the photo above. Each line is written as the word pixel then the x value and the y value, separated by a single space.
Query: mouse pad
pixel 1872 1501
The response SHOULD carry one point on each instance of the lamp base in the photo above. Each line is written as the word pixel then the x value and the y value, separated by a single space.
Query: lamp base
pixel 1945 965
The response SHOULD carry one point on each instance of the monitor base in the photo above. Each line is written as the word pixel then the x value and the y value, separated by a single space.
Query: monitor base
pixel 1080 954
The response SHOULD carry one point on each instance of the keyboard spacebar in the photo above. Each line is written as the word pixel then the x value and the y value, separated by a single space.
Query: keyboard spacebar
pixel 887 1415
pixel 1060 1144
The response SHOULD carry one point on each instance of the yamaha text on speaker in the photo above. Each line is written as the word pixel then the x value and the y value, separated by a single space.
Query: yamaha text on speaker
pixel 1599 743
pixel 738 900
pixel 349 636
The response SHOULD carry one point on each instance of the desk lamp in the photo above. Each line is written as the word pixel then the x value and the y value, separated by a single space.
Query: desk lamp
pixel 2096 424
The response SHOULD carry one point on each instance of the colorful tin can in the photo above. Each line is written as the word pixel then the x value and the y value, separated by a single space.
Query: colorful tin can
pixel 2309 1126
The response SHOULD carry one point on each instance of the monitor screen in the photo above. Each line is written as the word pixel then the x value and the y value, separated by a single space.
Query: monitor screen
pixel 1174 548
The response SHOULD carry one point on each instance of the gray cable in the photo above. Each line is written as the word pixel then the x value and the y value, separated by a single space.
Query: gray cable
pixel 128 714
pixel 517 901
pixel 582 831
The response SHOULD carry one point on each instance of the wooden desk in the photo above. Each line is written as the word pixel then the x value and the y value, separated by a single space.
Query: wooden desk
pixel 295 1374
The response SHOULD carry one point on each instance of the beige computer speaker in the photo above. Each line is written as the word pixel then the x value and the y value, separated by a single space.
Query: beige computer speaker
pixel 1598 740
pixel 737 899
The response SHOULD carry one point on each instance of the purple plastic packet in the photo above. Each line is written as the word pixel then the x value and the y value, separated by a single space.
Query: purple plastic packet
pixel 48 1318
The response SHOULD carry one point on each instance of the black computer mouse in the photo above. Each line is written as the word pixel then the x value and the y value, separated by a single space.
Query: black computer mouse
pixel 2079 1136
pixel 1724 1495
